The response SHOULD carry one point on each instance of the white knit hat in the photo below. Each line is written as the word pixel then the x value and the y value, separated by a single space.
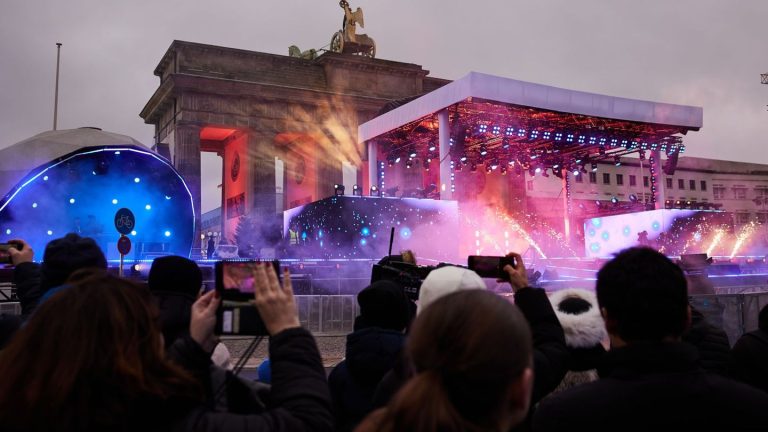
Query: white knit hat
pixel 446 280
pixel 583 328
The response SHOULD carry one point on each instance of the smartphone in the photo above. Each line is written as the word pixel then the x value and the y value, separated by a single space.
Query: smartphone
pixel 490 266
pixel 5 256
pixel 237 315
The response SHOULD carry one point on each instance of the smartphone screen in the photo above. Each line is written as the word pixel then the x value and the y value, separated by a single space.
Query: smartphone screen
pixel 237 314
pixel 489 266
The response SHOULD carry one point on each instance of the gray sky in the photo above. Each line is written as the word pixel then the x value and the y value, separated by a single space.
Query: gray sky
pixel 707 53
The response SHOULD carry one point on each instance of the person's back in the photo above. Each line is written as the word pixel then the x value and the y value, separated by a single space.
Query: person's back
pixel 463 381
pixel 749 357
pixel 372 350
pixel 650 379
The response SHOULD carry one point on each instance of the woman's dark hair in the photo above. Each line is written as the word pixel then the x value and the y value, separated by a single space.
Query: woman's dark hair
pixel 91 358
pixel 468 348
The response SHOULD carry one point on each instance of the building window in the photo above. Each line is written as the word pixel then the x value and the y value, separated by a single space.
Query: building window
pixel 530 185
pixel 579 178
pixel 619 179
pixel 633 180
pixel 606 178
pixel 718 192
pixel 740 193
pixel 669 183
pixel 762 217
pixel 593 177
pixel 703 185
pixel 692 184
pixel 761 192
pixel 645 181
pixel 742 218
pixel 681 184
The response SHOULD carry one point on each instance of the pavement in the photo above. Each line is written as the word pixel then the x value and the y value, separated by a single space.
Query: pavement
pixel 331 350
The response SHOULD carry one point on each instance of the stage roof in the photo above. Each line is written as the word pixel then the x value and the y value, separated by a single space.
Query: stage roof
pixel 495 121
pixel 524 94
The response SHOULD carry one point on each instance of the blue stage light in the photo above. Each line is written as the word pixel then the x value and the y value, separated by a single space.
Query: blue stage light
pixel 114 201
pixel 8 231
pixel 136 179
pixel 45 178
pixel 147 207
pixel 71 200
pixel 49 232
pixel 167 197
pixel 34 205
pixel 167 233
pixel 133 233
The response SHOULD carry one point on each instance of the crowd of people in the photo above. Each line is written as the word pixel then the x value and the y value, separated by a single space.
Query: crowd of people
pixel 92 352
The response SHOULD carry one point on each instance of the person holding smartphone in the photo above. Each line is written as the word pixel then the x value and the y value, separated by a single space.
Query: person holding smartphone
pixel 299 399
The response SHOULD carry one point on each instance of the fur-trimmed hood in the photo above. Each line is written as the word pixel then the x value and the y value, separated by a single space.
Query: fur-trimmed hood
pixel 583 330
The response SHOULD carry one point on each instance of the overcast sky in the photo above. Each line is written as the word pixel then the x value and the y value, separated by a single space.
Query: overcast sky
pixel 707 53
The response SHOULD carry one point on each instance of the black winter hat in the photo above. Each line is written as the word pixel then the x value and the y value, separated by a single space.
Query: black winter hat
pixel 175 274
pixel 383 304
pixel 66 255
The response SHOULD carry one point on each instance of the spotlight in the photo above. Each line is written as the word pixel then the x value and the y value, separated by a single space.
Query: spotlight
pixel 614 200
pixel 494 164
pixel 397 159
pixel 338 189
pixel 505 143
pixel 148 207
pixel 632 198
pixel 412 154
pixel 167 233
pixel 71 200
pixel 617 161
pixel 432 147
pixel 375 191
pixel 483 150
pixel 356 191
pixel 503 170
pixel 408 163
pixel 598 203
pixel 136 179
pixel 593 165
pixel 537 170
pixel 576 172
pixel 463 158
pixel 114 201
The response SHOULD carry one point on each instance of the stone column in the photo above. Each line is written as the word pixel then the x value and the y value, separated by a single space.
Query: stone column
pixel 444 137
pixel 263 204
pixel 187 163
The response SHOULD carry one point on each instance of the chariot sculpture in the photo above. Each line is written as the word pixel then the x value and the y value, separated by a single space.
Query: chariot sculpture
pixel 347 40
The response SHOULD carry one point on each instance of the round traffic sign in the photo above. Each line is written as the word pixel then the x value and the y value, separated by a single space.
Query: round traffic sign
pixel 124 221
pixel 124 245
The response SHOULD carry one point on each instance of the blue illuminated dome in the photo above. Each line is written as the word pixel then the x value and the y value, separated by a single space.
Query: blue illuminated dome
pixel 78 192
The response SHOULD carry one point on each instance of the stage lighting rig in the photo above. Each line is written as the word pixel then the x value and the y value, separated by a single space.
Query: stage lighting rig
pixel 356 191
pixel 375 192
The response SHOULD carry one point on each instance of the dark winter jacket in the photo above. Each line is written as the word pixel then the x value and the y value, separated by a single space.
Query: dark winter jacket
pixel 299 399
pixel 550 354
pixel 712 343
pixel 749 359
pixel 654 386
pixel 26 277
pixel 371 353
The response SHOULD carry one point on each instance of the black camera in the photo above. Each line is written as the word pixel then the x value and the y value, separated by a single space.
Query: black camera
pixel 490 266
pixel 407 275
pixel 235 284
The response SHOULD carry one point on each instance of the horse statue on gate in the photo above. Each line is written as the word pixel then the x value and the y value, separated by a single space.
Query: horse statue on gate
pixel 346 40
